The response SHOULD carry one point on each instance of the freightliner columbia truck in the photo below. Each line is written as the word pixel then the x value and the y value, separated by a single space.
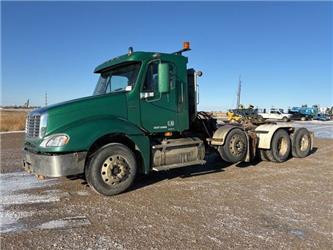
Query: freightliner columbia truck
pixel 143 117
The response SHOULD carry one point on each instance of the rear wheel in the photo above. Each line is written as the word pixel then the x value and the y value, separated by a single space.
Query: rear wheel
pixel 112 169
pixel 234 148
pixel 280 147
pixel 285 119
pixel 301 143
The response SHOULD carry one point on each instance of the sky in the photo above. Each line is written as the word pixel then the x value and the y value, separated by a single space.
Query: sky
pixel 283 51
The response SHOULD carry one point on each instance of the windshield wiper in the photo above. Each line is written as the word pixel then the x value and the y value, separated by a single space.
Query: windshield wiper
pixel 119 89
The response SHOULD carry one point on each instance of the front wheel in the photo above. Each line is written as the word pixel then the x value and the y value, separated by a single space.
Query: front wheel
pixel 112 169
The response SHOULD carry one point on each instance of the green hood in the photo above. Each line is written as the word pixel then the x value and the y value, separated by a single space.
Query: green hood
pixel 66 114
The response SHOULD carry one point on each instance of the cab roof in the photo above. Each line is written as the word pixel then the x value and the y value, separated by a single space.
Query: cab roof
pixel 135 56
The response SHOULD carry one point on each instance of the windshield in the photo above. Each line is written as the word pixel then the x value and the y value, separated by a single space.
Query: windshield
pixel 121 78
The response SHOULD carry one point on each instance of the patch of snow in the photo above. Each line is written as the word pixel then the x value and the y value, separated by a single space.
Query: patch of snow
pixel 297 232
pixel 9 220
pixel 18 181
pixel 19 199
pixel 68 222
pixel 82 193
pixel 15 189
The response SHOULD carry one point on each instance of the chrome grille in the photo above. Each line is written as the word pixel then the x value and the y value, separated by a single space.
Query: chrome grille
pixel 32 125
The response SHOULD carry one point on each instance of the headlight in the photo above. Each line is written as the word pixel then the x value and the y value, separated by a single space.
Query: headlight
pixel 42 125
pixel 56 140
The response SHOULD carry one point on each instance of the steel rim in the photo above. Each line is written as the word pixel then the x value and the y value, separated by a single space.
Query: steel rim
pixel 282 146
pixel 305 141
pixel 115 169
pixel 236 145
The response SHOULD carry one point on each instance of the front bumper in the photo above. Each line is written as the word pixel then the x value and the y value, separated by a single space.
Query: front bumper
pixel 54 165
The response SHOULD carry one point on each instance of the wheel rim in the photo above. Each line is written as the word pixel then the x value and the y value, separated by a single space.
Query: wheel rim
pixel 282 146
pixel 305 141
pixel 236 145
pixel 114 170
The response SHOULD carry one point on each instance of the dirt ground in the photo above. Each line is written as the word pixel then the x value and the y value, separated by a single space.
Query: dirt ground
pixel 217 206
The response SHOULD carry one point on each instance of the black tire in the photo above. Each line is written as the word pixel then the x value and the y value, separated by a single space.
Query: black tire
pixel 269 155
pixel 223 154
pixel 235 146
pixel 112 169
pixel 280 147
pixel 301 143
pixel 263 155
pixel 285 119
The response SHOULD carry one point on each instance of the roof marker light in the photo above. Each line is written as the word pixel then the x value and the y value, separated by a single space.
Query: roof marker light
pixel 186 45
pixel 130 51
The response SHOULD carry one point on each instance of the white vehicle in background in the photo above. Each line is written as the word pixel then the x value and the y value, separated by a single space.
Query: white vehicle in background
pixel 275 114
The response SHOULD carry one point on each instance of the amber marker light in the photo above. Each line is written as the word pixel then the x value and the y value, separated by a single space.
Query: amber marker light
pixel 168 134
pixel 186 45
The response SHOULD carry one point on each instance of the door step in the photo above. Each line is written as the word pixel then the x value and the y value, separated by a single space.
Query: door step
pixel 179 165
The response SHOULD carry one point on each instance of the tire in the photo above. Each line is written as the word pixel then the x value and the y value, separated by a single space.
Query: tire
pixel 285 119
pixel 301 143
pixel 263 155
pixel 280 147
pixel 269 155
pixel 223 154
pixel 235 146
pixel 112 169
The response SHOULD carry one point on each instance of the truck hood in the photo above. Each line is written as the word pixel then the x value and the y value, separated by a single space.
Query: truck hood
pixel 63 114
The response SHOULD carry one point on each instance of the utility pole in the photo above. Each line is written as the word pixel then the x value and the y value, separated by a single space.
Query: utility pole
pixel 27 103
pixel 45 98
pixel 239 91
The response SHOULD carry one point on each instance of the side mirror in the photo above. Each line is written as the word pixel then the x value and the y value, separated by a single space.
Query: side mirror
pixel 163 78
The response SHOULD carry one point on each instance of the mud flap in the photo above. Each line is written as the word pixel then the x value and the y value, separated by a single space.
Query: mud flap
pixel 248 153
pixel 312 138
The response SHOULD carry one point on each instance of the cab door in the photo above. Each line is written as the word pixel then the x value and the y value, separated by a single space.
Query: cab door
pixel 158 110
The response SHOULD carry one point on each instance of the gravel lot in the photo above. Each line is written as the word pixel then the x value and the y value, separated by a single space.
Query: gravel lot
pixel 259 205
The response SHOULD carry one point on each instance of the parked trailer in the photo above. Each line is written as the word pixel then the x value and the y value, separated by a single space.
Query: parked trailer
pixel 143 117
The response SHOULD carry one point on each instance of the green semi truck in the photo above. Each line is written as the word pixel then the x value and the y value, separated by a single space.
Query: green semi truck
pixel 143 117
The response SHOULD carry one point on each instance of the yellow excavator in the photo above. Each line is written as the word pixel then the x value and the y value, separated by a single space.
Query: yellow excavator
pixel 244 115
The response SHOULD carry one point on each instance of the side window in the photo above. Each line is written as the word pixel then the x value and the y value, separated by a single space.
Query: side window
pixel 118 82
pixel 151 81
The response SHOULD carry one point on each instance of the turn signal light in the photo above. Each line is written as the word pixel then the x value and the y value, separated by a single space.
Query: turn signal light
pixel 186 45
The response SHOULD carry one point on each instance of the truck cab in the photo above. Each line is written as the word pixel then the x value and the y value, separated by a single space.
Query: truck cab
pixel 141 117
pixel 140 99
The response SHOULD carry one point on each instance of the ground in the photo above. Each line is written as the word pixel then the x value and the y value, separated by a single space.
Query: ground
pixel 259 205
pixel 12 119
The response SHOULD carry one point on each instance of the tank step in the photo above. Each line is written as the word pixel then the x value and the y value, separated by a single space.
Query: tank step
pixel 179 165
